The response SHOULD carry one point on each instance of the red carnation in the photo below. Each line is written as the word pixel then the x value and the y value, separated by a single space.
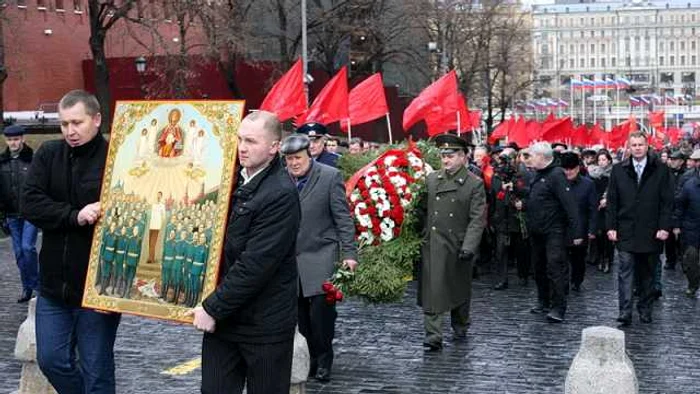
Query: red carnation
pixel 338 296
pixel 372 210
pixel 327 286
pixel 501 195
pixel 330 299
pixel 394 200
pixel 364 194
pixel 397 215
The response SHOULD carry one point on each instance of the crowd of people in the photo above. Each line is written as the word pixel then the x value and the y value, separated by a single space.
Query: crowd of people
pixel 550 210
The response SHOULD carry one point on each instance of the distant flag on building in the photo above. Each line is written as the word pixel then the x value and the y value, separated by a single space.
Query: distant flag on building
pixel 587 83
pixel 634 101
pixel 575 83
pixel 563 103
pixel 623 82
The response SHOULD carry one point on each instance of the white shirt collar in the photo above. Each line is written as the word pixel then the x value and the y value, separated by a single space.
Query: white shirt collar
pixel 642 162
pixel 247 178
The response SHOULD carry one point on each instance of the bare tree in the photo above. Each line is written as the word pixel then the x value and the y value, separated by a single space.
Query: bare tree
pixel 104 14
pixel 3 67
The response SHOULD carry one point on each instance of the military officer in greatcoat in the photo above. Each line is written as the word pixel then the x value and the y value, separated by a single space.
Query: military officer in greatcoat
pixel 452 213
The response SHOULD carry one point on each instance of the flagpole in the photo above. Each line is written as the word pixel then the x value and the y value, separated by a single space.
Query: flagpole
pixel 595 111
pixel 349 132
pixel 617 102
pixel 583 104
pixel 459 125
pixel 304 49
pixel 571 100
pixel 388 125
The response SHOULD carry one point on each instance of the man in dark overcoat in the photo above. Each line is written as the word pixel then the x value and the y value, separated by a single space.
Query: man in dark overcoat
pixel 640 204
pixel 687 226
pixel 326 237
pixel 452 210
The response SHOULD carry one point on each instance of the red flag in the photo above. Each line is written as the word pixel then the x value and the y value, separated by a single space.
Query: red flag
pixel 287 99
pixel 367 101
pixel 502 130
pixel 580 136
pixel 331 104
pixel 550 118
pixel 474 119
pixel 441 122
pixel 440 97
pixel 597 135
pixel 620 133
pixel 518 133
pixel 656 119
pixel 674 135
pixel 558 130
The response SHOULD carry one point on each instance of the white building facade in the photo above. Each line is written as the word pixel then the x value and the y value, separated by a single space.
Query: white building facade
pixel 655 45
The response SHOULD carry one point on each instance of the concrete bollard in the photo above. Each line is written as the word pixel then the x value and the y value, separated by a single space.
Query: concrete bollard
pixel 32 380
pixel 300 364
pixel 601 365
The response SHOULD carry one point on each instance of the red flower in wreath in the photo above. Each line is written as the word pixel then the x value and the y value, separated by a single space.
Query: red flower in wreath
pixel 501 195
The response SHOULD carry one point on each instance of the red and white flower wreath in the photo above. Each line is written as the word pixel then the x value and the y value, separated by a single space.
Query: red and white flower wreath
pixel 380 193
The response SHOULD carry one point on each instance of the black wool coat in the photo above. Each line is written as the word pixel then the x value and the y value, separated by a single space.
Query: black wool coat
pixel 638 211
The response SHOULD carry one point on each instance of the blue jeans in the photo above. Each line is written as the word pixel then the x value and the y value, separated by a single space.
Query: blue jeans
pixel 24 236
pixel 75 347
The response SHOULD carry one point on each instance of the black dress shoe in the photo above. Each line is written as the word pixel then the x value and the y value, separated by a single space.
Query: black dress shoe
pixel 670 266
pixel 657 294
pixel 555 317
pixel 523 281
pixel 501 286
pixel 690 293
pixel 323 375
pixel 576 287
pixel 624 320
pixel 25 296
pixel 645 318
pixel 432 347
pixel 539 308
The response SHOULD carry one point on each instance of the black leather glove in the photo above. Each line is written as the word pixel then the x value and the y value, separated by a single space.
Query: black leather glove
pixel 466 256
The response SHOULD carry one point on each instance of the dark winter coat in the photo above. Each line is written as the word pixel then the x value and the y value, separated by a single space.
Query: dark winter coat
pixel 453 210
pixel 587 205
pixel 550 205
pixel 687 212
pixel 13 174
pixel 256 299
pixel 62 180
pixel 328 158
pixel 638 211
pixel 601 178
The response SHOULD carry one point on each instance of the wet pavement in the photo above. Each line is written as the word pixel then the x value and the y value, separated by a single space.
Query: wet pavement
pixel 379 347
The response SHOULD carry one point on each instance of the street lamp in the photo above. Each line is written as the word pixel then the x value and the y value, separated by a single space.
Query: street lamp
pixel 140 64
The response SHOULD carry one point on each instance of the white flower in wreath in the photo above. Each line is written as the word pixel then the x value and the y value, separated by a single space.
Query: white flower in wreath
pixel 389 160
pixel 377 193
pixel 415 161
pixel 366 237
pixel 398 181
pixel 387 227
pixel 355 196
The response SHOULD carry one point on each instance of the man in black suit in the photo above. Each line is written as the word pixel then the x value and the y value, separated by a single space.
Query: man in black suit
pixel 640 204
pixel 249 320
pixel 326 236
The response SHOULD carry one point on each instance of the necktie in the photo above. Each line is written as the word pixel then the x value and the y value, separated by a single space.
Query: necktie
pixel 639 172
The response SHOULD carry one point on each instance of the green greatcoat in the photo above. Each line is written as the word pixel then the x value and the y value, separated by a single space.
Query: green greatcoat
pixel 452 210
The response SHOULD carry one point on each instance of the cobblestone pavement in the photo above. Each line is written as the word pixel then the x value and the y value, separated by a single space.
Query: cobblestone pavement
pixel 379 348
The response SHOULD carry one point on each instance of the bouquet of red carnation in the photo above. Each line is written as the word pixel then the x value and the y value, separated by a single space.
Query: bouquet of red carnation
pixel 340 280
pixel 333 294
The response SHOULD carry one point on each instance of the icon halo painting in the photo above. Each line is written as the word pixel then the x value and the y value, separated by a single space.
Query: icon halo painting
pixel 165 198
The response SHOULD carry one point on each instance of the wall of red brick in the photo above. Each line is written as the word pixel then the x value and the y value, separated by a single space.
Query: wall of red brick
pixel 42 67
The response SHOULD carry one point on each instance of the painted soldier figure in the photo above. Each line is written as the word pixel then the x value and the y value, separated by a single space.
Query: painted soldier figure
pixel 109 244
pixel 166 268
pixel 179 266
pixel 452 213
pixel 133 255
pixel 199 260
pixel 118 278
